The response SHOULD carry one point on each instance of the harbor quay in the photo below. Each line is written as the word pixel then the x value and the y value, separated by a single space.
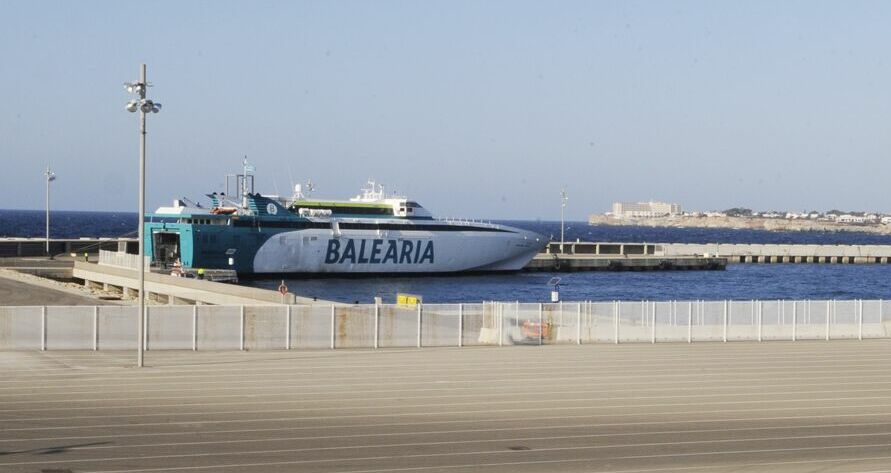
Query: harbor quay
pixel 30 247
pixel 732 252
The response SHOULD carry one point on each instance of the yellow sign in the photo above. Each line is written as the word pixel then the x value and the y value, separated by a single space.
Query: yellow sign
pixel 408 299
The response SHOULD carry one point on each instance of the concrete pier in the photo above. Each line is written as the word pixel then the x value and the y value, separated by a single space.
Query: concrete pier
pixel 572 263
pixel 178 290
pixel 779 253
pixel 734 253
pixel 19 247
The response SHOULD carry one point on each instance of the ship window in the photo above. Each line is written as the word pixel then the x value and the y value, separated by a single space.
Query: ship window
pixel 410 210
pixel 411 204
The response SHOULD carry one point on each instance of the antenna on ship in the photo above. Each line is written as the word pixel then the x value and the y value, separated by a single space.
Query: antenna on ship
pixel 248 170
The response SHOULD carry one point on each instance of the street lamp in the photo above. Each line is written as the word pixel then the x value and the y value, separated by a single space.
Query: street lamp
pixel 563 200
pixel 144 106
pixel 50 177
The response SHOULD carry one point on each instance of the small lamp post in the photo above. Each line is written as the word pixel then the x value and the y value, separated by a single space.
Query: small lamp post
pixel 50 177
pixel 563 200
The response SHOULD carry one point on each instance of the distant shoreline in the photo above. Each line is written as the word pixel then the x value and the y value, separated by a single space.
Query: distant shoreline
pixel 741 223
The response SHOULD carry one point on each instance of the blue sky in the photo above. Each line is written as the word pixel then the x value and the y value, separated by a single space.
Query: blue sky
pixel 477 109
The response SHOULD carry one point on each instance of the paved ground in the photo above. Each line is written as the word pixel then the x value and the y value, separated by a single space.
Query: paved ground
pixel 778 406
pixel 15 291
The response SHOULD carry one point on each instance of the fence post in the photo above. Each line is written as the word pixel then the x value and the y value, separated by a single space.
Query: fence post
pixel 828 314
pixel 195 327
pixel 860 320
pixel 760 320
pixel 43 328
pixel 517 315
pixel 499 311
pixel 616 318
pixel 730 313
pixel 460 325
pixel 288 328
pixel 690 322
pixel 578 324
pixel 95 328
pixel 420 310
pixel 377 325
pixel 241 342
pixel 540 326
pixel 333 325
pixel 752 302
pixel 794 320
pixel 653 336
pixel 725 321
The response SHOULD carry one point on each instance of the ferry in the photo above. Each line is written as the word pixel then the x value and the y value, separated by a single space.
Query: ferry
pixel 370 234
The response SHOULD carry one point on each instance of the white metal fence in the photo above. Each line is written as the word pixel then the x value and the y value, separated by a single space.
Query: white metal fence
pixel 493 323
pixel 122 260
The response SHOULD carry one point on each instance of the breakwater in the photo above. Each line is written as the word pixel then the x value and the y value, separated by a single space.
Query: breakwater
pixel 733 252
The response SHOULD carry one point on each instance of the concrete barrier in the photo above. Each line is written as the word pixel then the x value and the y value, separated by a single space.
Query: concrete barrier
pixel 179 290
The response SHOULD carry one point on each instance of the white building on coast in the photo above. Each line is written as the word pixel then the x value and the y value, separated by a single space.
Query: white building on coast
pixel 644 209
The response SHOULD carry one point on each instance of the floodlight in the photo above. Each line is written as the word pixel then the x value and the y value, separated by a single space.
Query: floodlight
pixel 132 106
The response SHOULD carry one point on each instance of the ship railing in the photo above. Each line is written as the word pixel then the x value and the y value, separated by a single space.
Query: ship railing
pixel 464 221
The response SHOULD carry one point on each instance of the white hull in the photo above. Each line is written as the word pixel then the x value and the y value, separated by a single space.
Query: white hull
pixel 397 251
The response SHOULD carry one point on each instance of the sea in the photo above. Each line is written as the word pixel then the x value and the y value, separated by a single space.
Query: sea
pixel 737 282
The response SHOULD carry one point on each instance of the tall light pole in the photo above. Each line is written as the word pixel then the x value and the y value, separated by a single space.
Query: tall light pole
pixel 563 200
pixel 144 106
pixel 50 177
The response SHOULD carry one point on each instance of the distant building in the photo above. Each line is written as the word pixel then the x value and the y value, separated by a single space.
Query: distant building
pixel 848 218
pixel 644 209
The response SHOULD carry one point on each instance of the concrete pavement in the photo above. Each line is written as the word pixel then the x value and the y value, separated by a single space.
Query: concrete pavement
pixel 23 289
pixel 777 406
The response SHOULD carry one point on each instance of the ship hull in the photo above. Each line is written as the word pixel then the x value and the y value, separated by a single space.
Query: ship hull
pixel 395 252
pixel 378 248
